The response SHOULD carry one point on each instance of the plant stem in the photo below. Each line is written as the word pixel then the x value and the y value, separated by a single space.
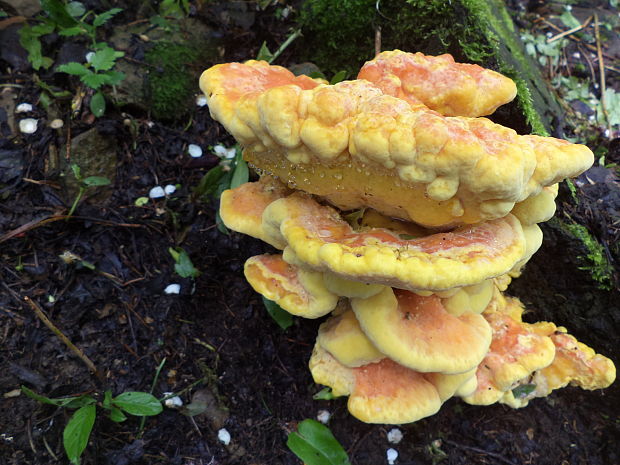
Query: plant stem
pixel 75 202
pixel 155 378
pixel 286 43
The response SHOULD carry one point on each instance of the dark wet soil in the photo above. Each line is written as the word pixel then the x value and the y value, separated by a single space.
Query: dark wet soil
pixel 215 336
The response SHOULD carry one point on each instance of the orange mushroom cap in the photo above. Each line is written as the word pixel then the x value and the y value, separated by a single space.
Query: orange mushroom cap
pixel 419 333
pixel 381 392
pixel 452 89
pixel 322 240
pixel 356 147
pixel 299 291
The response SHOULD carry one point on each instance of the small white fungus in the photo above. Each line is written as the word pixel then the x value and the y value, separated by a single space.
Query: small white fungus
pixel 89 56
pixel 323 416
pixel 172 402
pixel 169 189
pixel 23 108
pixel 394 436
pixel 223 152
pixel 194 151
pixel 392 454
pixel 172 289
pixel 201 100
pixel 56 123
pixel 28 125
pixel 157 192
pixel 224 436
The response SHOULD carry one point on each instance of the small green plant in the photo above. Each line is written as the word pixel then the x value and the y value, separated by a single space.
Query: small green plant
pixel 315 444
pixel 183 265
pixel 72 19
pixel 324 394
pixel 283 318
pixel 77 430
pixel 85 184
pixel 228 174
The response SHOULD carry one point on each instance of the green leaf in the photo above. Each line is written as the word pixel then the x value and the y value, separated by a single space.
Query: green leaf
pixel 112 78
pixel 324 394
pixel 264 53
pixel 569 20
pixel 209 182
pixel 339 77
pixel 75 9
pixel 221 227
pixel 141 201
pixel 92 80
pixel 107 400
pixel 141 404
pixel 76 433
pixel 183 266
pixel 315 444
pixel 523 390
pixel 97 107
pixel 240 175
pixel 57 12
pixel 93 181
pixel 72 31
pixel 73 68
pixel 77 172
pixel 29 39
pixel 283 318
pixel 104 59
pixel 105 16
pixel 117 415
pixel 68 402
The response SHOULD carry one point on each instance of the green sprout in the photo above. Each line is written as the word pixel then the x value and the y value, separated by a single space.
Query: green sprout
pixel 183 265
pixel 315 444
pixel 71 20
pixel 85 183
pixel 77 430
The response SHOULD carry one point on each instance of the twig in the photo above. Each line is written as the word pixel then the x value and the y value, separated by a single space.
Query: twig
pixel 601 69
pixel 88 362
pixel 570 31
pixel 480 451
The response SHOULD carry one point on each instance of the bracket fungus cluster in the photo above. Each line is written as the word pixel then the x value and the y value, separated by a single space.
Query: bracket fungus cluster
pixel 402 211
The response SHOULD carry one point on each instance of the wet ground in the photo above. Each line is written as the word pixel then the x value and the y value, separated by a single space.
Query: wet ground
pixel 222 351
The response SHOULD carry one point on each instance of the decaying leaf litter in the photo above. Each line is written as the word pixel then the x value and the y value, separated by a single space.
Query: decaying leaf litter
pixel 111 303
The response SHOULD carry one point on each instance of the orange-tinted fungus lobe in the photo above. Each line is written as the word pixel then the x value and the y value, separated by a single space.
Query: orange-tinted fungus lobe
pixel 385 378
pixel 254 77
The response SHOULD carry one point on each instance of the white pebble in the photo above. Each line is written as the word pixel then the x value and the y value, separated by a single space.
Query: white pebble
pixel 57 123
pixel 169 189
pixel 224 436
pixel 28 125
pixel 23 108
pixel 89 56
pixel 194 151
pixel 323 416
pixel 394 436
pixel 201 100
pixel 223 152
pixel 157 192
pixel 392 455
pixel 172 289
pixel 173 402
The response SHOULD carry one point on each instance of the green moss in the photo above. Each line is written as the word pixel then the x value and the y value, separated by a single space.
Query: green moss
pixel 171 83
pixel 595 261
pixel 340 35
